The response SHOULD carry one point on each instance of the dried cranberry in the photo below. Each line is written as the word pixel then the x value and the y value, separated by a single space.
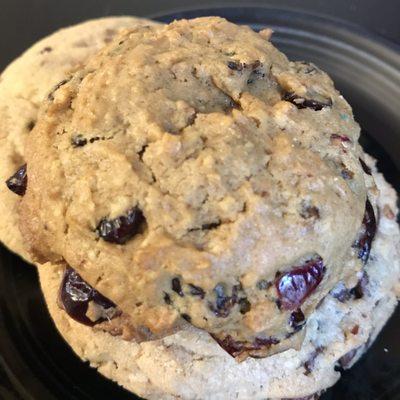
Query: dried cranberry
pixel 365 167
pixel 342 138
pixel 367 234
pixel 75 295
pixel 297 319
pixel 176 286
pixel 17 183
pixel 123 228
pixel 295 286
pixel 301 102
pixel 235 347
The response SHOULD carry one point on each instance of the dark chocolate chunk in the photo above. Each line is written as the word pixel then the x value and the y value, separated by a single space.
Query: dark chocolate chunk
pixel 295 286
pixel 167 299
pixel 367 233
pixel 309 211
pixel 235 65
pixel 196 291
pixel 310 363
pixel 224 303
pixel 244 306
pixel 359 290
pixel 17 183
pixel 78 141
pixel 345 361
pixel 365 167
pixel 46 49
pixel 341 293
pixel 186 317
pixel 297 319
pixel 347 174
pixel 123 228
pixel 301 102
pixel 176 286
pixel 211 225
pixel 263 284
pixel 30 125
pixel 75 295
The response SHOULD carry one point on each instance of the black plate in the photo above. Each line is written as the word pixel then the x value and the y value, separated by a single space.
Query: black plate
pixel 37 364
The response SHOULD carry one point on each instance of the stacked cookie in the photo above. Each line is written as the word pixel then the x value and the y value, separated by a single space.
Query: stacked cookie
pixel 205 222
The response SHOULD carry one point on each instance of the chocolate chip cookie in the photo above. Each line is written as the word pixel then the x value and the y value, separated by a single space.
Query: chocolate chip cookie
pixel 191 174
pixel 23 86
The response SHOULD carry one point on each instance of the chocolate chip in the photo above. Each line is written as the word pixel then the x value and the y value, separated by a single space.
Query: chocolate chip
pixel 367 233
pixel 176 286
pixel 30 125
pixel 295 286
pixel 301 102
pixel 167 299
pixel 211 226
pixel 347 174
pixel 341 293
pixel 196 291
pixel 235 65
pixel 75 295
pixel 141 152
pixel 78 141
pixel 18 182
pixel 123 228
pixel 309 211
pixel 46 49
pixel 310 363
pixel 306 68
pixel 359 290
pixel 263 284
pixel 224 303
pixel 244 305
pixel 365 167
pixel 297 319
pixel 186 317
pixel 345 361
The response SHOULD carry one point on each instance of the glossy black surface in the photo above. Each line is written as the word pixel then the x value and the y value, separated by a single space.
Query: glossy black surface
pixel 37 364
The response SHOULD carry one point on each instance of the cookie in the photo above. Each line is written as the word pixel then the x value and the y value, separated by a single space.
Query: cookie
pixel 191 174
pixel 23 86
pixel 190 365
